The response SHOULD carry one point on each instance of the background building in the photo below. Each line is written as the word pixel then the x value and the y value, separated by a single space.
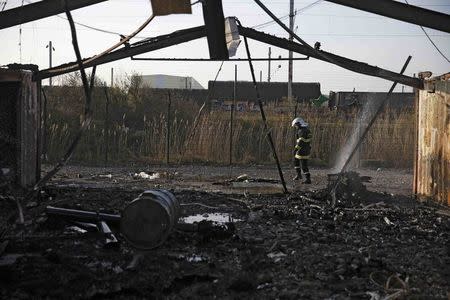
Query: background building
pixel 161 81
pixel 269 91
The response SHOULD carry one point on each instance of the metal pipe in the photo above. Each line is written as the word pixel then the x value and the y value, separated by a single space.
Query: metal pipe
pixel 168 128
pixel 263 116
pixel 366 130
pixel 106 123
pixel 268 65
pixel 364 134
pixel 110 239
pixel 81 215
pixel 211 59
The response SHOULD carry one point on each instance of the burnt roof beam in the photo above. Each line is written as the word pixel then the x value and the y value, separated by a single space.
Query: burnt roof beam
pixel 401 11
pixel 344 62
pixel 152 44
pixel 40 10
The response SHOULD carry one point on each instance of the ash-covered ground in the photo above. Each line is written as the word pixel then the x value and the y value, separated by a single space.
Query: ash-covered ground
pixel 375 244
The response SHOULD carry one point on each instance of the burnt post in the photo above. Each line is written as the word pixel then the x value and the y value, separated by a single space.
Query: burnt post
pixel 44 126
pixel 215 29
pixel 233 108
pixel 168 129
pixel 20 134
pixel 106 123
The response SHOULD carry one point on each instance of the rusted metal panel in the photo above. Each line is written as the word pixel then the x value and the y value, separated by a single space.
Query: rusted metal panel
pixel 23 111
pixel 432 174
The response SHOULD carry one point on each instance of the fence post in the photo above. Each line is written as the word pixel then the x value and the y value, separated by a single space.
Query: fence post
pixel 233 107
pixel 44 127
pixel 106 123
pixel 168 129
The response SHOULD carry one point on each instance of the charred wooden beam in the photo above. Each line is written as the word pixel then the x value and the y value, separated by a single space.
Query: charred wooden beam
pixel 401 11
pixel 40 10
pixel 347 63
pixel 140 47
pixel 215 29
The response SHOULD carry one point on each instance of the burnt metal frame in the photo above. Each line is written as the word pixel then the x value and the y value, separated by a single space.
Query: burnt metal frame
pixel 349 64
pixel 40 10
pixel 401 11
pixel 190 34
pixel 147 45
pixel 210 59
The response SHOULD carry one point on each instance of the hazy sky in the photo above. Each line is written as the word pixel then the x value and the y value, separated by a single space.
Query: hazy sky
pixel 345 31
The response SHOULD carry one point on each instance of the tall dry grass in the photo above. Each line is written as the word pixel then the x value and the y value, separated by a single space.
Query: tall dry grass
pixel 138 129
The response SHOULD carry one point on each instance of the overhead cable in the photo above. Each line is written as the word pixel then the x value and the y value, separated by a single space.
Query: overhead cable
pixel 431 41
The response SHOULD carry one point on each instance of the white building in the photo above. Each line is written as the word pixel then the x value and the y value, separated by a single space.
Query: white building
pixel 161 81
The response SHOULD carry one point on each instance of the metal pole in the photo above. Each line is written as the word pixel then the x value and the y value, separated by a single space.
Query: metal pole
pixel 50 50
pixel 260 76
pixel 364 134
pixel 263 116
pixel 369 125
pixel 106 124
pixel 112 77
pixel 233 107
pixel 210 59
pixel 291 38
pixel 168 129
pixel 268 62
pixel 44 127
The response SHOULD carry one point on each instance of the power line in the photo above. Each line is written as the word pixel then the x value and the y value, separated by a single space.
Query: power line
pixel 262 25
pixel 259 26
pixel 431 41
pixel 90 27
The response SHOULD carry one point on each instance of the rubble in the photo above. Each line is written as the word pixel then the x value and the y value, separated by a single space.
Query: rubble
pixel 291 246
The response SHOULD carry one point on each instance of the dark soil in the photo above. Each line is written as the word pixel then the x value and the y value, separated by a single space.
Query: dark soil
pixel 370 246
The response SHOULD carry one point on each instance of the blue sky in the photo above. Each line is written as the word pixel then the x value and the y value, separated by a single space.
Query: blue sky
pixel 345 31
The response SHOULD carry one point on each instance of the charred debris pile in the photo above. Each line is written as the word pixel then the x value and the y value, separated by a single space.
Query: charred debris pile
pixel 368 246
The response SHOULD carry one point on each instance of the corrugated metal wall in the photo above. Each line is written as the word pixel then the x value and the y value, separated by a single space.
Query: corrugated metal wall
pixel 20 121
pixel 432 170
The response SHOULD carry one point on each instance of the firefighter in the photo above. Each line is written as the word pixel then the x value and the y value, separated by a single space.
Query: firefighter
pixel 302 149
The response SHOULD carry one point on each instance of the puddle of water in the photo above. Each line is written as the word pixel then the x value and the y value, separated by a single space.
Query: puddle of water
pixel 257 187
pixel 214 217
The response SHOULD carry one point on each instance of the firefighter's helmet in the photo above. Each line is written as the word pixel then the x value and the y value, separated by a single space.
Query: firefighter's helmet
pixel 300 122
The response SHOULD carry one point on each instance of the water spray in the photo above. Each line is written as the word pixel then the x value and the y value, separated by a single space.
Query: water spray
pixel 363 135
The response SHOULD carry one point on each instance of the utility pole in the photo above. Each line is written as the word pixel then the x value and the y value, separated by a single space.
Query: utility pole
pixel 291 27
pixel 260 76
pixel 112 77
pixel 268 72
pixel 50 50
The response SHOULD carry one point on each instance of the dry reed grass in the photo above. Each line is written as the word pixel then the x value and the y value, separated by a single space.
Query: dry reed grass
pixel 138 131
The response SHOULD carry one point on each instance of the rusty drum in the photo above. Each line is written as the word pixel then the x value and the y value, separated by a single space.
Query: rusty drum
pixel 148 220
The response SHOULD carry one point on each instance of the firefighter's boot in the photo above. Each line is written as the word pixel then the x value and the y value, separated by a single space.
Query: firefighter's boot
pixel 308 178
pixel 299 174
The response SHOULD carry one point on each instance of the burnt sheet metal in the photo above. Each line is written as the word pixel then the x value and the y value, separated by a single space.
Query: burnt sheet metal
pixel 432 173
pixel 20 126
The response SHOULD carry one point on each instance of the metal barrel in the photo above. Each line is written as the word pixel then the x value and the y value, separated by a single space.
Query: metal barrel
pixel 149 219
